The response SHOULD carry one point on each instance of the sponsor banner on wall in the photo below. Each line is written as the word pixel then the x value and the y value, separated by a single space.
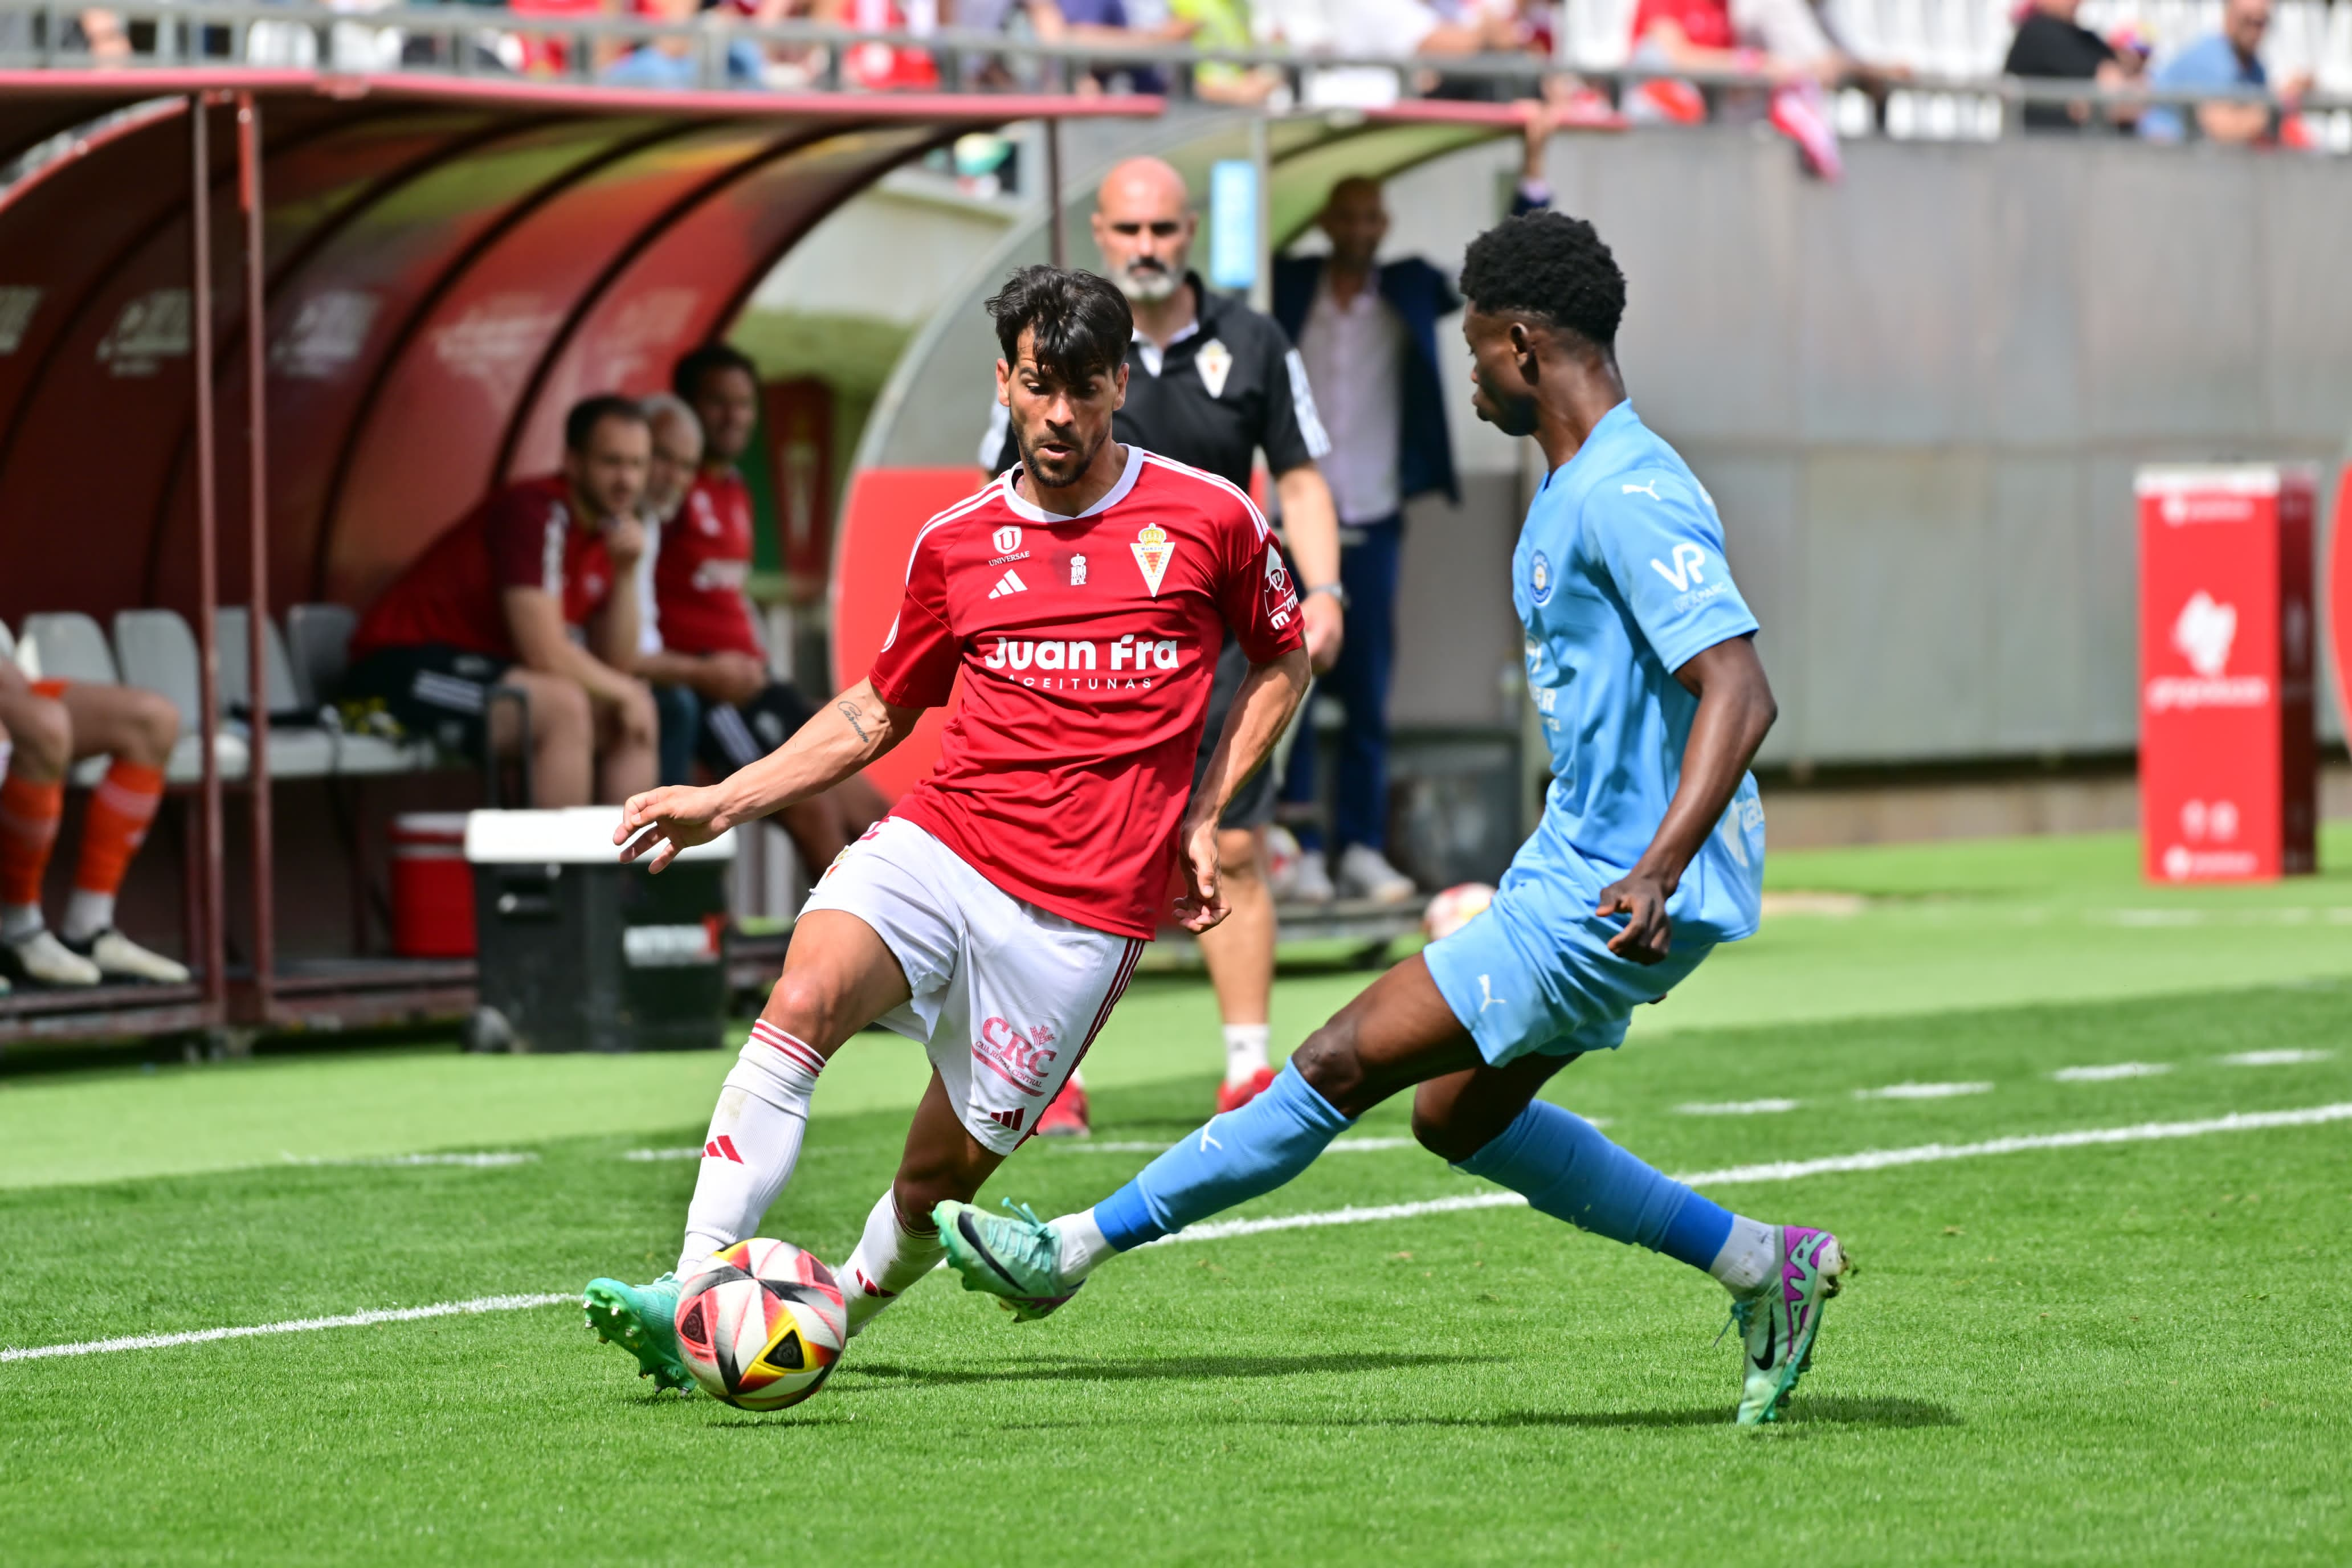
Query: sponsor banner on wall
pixel 2229 762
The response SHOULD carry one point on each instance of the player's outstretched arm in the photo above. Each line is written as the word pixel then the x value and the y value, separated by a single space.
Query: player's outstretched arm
pixel 1261 711
pixel 1734 709
pixel 851 731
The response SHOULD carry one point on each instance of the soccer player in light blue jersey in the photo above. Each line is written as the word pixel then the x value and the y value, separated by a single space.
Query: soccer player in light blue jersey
pixel 1642 660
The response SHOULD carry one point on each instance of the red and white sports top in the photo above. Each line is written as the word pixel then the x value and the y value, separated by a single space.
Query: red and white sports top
pixel 705 560
pixel 1087 646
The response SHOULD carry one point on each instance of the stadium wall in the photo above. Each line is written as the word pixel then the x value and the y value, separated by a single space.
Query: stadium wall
pixel 1918 395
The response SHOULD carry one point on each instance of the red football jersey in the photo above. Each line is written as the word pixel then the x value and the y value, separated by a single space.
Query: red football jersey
pixel 1087 646
pixel 698 576
pixel 523 536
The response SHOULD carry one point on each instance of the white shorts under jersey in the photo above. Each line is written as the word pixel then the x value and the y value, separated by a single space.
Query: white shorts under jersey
pixel 1007 996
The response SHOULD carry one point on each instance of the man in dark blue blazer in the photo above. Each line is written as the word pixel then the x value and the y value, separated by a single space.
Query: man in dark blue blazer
pixel 1367 333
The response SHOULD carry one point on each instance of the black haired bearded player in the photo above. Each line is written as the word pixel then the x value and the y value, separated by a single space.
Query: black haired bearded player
pixel 997 913
pixel 1212 382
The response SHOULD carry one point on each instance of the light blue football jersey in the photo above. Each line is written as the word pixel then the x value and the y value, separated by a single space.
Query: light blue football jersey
pixel 1619 580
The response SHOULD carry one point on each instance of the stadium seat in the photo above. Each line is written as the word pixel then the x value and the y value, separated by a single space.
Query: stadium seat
pixel 158 653
pixel 298 747
pixel 65 646
pixel 321 636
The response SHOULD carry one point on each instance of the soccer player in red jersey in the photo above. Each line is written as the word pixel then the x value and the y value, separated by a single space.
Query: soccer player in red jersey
pixel 709 643
pixel 998 911
pixel 521 593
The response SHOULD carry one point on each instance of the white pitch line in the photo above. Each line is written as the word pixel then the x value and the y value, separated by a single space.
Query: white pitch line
pixel 1779 1171
pixel 2275 1059
pixel 1792 1169
pixel 2108 1072
pixel 1739 1107
pixel 291 1326
pixel 642 1154
pixel 1922 1090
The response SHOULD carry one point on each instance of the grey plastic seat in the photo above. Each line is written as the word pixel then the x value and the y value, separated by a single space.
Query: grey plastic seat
pixel 63 645
pixel 298 747
pixel 321 639
pixel 157 652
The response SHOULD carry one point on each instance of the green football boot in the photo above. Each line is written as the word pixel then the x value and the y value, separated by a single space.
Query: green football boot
pixel 1017 1258
pixel 1778 1323
pixel 643 1321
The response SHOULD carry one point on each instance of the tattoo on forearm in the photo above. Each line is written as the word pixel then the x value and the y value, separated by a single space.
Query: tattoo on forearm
pixel 851 712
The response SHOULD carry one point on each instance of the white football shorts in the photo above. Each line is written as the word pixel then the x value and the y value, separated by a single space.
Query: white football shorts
pixel 1007 996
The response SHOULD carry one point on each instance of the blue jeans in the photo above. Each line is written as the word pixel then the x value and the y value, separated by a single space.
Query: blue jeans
pixel 679 709
pixel 1360 681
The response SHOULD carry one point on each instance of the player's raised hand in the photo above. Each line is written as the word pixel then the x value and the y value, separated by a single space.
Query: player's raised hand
pixel 1202 902
pixel 1641 897
pixel 661 822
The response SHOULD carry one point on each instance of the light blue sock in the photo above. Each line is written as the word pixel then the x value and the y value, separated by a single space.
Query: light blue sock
pixel 1232 1159
pixel 1569 1171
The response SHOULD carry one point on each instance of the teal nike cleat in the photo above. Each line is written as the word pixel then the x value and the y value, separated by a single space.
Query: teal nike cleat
pixel 1018 1259
pixel 1778 1323
pixel 643 1321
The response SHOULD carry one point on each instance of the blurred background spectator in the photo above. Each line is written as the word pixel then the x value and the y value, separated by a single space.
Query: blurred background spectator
pixel 2049 43
pixel 675 61
pixel 2230 57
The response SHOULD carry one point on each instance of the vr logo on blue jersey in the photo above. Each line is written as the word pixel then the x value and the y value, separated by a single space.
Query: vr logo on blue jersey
pixel 1540 579
pixel 1685 569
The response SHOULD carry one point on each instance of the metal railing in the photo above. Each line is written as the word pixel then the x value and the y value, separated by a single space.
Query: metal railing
pixel 711 53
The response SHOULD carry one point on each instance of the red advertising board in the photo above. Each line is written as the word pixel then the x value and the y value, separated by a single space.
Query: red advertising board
pixel 2228 759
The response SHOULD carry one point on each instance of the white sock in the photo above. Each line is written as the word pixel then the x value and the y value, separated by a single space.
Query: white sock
pixel 754 1140
pixel 18 921
pixel 1083 1245
pixel 86 915
pixel 889 1260
pixel 1748 1258
pixel 1246 1051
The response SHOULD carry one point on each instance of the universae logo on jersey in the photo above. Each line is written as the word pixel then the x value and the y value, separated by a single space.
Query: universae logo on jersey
pixel 1153 550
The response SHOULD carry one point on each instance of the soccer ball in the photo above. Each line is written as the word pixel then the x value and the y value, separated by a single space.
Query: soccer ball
pixel 760 1324
pixel 1452 910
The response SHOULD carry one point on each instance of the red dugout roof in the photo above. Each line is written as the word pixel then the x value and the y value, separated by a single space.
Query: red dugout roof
pixel 448 263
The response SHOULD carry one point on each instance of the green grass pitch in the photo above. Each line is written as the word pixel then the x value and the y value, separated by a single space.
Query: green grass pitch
pixel 2132 1353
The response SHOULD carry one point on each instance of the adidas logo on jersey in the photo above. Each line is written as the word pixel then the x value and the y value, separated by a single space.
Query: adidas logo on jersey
pixel 1010 583
pixel 1011 1118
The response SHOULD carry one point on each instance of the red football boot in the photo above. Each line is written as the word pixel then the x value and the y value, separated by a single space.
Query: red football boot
pixel 1066 1117
pixel 1234 1096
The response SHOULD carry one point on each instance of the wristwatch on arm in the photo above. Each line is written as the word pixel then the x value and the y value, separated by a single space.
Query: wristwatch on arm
pixel 1337 591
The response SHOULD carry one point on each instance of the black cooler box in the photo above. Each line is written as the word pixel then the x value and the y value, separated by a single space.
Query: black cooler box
pixel 579 953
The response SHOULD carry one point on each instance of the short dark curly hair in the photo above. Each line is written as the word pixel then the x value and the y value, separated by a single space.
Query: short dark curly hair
pixel 687 376
pixel 1083 323
pixel 1551 267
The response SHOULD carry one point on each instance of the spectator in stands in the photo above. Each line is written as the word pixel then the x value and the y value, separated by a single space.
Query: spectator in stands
pixel 677 459
pixel 2229 59
pixel 529 591
pixel 54 724
pixel 2050 45
pixel 1223 24
pixel 1367 333
pixel 1780 41
pixel 676 60
pixel 709 643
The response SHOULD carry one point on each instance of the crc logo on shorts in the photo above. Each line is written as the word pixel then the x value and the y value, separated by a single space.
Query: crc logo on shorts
pixel 1007 540
pixel 1540 579
pixel 1022 1058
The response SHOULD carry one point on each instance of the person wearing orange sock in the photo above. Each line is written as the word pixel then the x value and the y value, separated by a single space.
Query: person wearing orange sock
pixel 54 724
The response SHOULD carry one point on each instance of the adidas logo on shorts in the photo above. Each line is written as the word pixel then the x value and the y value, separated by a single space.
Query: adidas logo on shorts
pixel 1011 1119
pixel 1010 583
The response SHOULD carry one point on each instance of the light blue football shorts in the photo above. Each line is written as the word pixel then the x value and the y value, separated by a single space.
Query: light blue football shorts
pixel 1532 973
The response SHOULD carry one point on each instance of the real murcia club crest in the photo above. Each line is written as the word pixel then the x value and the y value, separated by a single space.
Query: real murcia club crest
pixel 1216 362
pixel 1152 553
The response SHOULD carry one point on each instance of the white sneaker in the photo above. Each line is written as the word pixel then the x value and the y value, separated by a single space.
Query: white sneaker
pixel 1365 873
pixel 117 956
pixel 1310 881
pixel 42 959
